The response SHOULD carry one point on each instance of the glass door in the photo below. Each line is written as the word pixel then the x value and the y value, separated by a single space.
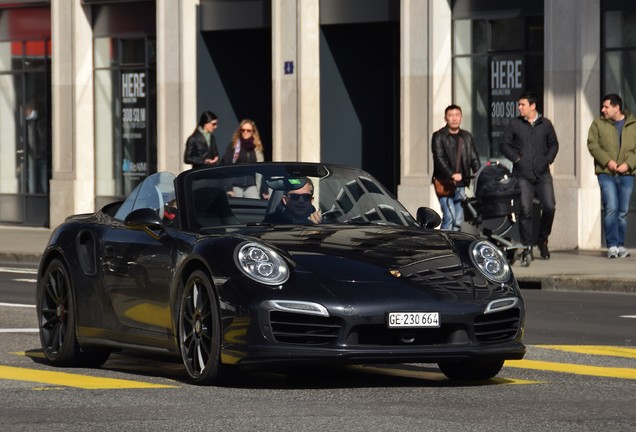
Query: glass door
pixel 25 142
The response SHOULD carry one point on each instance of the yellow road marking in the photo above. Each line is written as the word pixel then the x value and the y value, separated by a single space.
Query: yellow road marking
pixel 432 376
pixel 599 371
pixel 34 354
pixel 72 380
pixel 610 351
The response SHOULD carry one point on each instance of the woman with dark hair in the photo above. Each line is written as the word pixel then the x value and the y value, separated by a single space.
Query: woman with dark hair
pixel 201 148
pixel 246 147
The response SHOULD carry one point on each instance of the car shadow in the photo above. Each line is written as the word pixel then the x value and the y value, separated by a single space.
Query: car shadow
pixel 281 378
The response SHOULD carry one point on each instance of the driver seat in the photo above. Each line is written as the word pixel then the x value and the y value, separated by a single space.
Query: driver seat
pixel 211 208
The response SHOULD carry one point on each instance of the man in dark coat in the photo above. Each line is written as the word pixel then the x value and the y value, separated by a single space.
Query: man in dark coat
pixel 530 142
pixel 455 161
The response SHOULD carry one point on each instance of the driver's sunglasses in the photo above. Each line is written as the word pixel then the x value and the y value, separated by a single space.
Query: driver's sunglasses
pixel 297 197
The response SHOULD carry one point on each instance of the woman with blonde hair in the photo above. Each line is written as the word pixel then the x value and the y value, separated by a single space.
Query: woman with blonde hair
pixel 246 147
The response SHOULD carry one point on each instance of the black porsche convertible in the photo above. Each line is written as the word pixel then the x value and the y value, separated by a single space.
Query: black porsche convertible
pixel 275 264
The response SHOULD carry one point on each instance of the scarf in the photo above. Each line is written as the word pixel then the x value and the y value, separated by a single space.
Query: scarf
pixel 206 135
pixel 247 144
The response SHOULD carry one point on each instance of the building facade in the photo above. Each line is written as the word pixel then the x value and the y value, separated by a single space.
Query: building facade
pixel 97 94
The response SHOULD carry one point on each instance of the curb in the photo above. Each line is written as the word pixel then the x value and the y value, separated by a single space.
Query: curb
pixel 30 258
pixel 544 283
pixel 580 284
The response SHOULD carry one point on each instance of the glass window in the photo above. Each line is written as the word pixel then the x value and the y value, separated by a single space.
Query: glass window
pixel 107 134
pixel 133 51
pixel 619 69
pixel 152 52
pixel 489 78
pixel 470 36
pixel 7 54
pixel 470 83
pixel 507 35
pixel 535 34
pixel 35 55
pixel 125 107
pixel 620 29
pixel 105 52
pixel 619 57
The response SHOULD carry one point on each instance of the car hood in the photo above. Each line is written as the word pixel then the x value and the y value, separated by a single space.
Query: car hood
pixel 371 253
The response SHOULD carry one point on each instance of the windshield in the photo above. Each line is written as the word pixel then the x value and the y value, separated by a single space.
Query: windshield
pixel 278 194
pixel 155 192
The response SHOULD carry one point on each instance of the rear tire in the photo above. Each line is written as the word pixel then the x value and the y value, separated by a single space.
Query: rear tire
pixel 471 369
pixel 56 320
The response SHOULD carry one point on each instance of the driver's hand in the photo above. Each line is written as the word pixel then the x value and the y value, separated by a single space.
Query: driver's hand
pixel 315 217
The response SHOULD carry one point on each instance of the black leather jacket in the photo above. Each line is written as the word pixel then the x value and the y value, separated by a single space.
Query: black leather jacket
pixel 197 150
pixel 284 216
pixel 445 155
pixel 530 147
pixel 244 156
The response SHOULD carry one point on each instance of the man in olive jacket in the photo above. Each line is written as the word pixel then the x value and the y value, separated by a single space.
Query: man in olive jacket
pixel 530 142
pixel 612 142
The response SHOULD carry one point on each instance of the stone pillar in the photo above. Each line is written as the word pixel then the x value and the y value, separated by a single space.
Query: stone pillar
pixel 572 83
pixel 73 179
pixel 177 29
pixel 425 89
pixel 309 80
pixel 285 71
pixel 296 80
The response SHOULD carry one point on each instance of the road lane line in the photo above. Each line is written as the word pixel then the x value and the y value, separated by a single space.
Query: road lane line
pixel 17 305
pixel 576 369
pixel 32 354
pixel 599 350
pixel 19 330
pixel 18 270
pixel 72 380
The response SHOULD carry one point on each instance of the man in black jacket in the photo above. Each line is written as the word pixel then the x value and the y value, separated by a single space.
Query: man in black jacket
pixel 530 142
pixel 455 161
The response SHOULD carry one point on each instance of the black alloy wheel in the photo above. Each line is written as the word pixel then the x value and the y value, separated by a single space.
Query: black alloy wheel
pixel 56 320
pixel 199 330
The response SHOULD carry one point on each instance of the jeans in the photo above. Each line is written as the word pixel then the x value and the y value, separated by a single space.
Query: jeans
pixel 615 194
pixel 543 188
pixel 452 210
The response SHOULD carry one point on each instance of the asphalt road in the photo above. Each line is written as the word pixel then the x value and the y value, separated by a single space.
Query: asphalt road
pixel 579 375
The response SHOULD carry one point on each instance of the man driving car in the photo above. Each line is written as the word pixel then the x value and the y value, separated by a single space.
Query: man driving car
pixel 296 207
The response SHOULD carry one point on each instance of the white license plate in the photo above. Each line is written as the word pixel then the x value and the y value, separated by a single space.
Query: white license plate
pixel 413 319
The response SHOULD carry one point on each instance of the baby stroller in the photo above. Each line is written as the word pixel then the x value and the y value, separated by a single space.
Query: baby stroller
pixel 496 196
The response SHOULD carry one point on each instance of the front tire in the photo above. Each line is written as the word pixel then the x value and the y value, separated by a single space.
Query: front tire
pixel 200 330
pixel 56 320
pixel 471 369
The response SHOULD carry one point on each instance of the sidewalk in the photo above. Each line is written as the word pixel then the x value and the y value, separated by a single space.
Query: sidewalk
pixel 579 270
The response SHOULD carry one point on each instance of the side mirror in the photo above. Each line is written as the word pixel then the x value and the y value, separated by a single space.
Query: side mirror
pixel 428 218
pixel 144 219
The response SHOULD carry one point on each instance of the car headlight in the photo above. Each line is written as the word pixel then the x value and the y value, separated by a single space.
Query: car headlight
pixel 261 263
pixel 490 261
